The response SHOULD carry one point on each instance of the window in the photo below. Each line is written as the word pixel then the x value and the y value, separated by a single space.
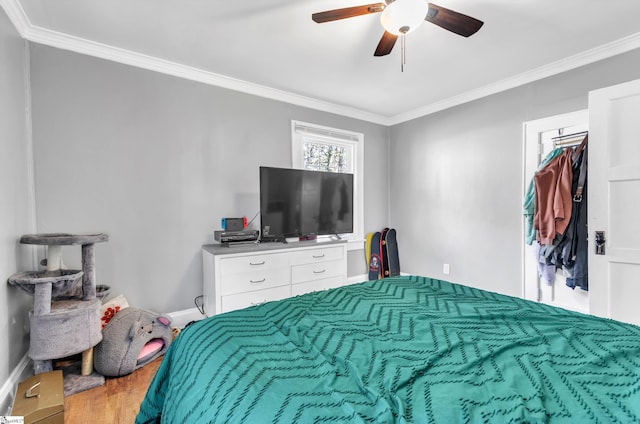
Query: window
pixel 319 156
pixel 328 149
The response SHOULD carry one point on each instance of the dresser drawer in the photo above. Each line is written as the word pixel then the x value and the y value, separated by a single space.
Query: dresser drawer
pixel 307 256
pixel 317 285
pixel 318 271
pixel 254 280
pixel 251 263
pixel 244 300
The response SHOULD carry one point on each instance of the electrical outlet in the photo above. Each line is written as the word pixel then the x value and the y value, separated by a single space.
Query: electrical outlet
pixel 446 269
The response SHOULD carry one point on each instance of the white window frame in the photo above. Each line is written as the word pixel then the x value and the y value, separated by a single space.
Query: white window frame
pixel 354 141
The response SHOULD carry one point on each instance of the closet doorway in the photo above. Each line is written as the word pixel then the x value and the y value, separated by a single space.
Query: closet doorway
pixel 538 143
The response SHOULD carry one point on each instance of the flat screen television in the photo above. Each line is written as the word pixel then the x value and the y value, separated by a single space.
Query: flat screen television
pixel 303 203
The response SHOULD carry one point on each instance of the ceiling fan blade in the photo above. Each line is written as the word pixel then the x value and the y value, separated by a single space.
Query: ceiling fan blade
pixel 453 21
pixel 386 44
pixel 347 12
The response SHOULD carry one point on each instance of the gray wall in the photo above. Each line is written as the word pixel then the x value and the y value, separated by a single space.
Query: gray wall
pixel 15 208
pixel 456 177
pixel 156 161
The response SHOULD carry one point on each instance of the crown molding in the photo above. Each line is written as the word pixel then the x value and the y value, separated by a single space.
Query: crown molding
pixel 16 15
pixel 63 41
pixel 604 51
pixel 127 57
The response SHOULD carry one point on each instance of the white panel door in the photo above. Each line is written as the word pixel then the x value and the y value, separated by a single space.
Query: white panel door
pixel 614 201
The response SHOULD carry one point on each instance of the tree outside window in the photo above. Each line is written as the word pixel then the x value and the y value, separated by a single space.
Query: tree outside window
pixel 325 157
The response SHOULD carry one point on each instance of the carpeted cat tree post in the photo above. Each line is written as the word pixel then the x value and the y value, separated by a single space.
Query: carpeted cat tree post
pixel 62 326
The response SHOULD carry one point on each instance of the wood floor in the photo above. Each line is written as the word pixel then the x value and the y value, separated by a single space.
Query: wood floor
pixel 117 401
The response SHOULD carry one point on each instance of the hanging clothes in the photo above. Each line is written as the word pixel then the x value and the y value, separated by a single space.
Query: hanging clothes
pixel 559 186
pixel 528 203
pixel 546 270
pixel 546 267
pixel 573 248
pixel 553 198
pixel 579 271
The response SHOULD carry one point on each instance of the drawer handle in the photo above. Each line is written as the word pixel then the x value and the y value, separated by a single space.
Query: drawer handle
pixel 256 263
pixel 319 272
pixel 257 281
pixel 318 256
pixel 259 303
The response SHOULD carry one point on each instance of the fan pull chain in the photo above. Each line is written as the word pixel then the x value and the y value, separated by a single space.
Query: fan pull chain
pixel 403 54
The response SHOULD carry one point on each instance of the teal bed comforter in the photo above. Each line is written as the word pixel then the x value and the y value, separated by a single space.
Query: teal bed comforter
pixel 399 350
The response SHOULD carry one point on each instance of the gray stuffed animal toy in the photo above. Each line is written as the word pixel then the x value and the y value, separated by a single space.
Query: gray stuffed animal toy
pixel 133 338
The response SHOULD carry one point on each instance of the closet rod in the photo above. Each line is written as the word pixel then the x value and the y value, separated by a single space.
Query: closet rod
pixel 578 134
pixel 569 140
pixel 569 143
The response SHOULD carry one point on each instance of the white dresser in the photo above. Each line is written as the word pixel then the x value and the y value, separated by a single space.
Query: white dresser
pixel 240 276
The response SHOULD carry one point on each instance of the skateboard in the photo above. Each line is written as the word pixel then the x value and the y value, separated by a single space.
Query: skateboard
pixel 383 253
pixel 392 261
pixel 374 257
pixel 367 248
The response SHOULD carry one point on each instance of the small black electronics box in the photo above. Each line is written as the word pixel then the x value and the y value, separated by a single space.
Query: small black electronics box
pixel 235 236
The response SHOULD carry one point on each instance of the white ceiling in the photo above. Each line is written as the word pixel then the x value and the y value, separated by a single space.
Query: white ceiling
pixel 272 48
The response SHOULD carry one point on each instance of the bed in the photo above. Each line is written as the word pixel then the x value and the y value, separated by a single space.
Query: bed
pixel 399 350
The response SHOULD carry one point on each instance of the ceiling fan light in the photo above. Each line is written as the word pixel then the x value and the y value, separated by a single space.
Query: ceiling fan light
pixel 403 16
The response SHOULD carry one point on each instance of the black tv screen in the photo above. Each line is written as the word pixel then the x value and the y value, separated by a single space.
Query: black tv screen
pixel 296 202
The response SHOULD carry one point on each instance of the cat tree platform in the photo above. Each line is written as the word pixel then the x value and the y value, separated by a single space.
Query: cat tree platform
pixel 61 327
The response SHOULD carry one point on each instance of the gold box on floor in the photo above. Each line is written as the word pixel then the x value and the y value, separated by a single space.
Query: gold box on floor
pixel 40 399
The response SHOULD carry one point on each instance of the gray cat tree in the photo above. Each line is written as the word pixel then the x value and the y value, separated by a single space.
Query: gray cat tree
pixel 63 324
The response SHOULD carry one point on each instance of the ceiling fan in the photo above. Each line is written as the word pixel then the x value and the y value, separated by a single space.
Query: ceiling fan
pixel 399 17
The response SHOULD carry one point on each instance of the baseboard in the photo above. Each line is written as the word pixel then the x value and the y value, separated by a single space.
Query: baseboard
pixel 364 277
pixel 357 279
pixel 181 318
pixel 7 392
